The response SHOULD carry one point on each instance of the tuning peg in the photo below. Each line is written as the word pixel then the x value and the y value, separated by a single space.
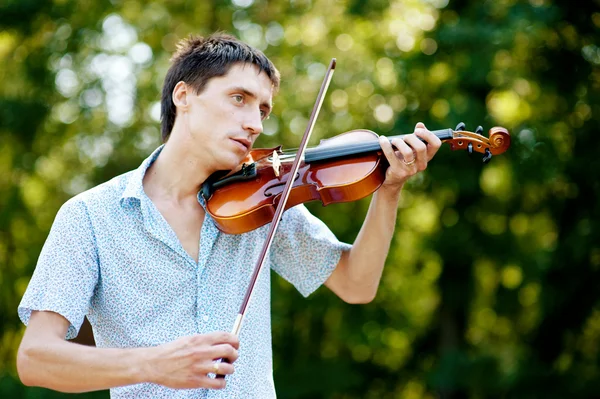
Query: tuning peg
pixel 487 156
pixel 460 127
pixel 479 130
pixel 470 148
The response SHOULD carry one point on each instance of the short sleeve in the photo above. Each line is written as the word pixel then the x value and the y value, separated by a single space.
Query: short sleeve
pixel 304 251
pixel 67 270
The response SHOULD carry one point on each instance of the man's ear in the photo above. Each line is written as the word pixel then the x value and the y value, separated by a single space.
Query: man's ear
pixel 180 93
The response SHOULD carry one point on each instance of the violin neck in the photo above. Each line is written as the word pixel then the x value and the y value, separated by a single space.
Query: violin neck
pixel 320 154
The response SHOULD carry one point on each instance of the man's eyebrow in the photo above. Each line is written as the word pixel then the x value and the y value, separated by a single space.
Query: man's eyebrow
pixel 250 94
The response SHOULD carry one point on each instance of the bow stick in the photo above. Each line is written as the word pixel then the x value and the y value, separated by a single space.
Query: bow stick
pixel 283 200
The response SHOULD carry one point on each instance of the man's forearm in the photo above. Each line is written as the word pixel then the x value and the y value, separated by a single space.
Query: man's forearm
pixel 370 249
pixel 68 367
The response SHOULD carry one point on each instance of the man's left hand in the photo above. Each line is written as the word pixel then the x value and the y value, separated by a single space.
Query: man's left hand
pixel 410 157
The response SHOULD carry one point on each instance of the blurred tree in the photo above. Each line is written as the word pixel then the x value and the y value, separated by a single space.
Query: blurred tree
pixel 490 289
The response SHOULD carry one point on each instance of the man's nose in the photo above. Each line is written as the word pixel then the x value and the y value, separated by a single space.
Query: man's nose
pixel 254 123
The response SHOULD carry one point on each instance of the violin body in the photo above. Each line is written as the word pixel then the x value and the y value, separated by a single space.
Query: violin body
pixel 246 205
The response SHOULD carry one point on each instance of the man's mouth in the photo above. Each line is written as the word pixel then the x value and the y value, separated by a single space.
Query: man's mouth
pixel 243 143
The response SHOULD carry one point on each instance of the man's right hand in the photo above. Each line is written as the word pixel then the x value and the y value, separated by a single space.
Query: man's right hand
pixel 187 361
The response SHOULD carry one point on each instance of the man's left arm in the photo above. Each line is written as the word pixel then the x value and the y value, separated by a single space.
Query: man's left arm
pixel 357 274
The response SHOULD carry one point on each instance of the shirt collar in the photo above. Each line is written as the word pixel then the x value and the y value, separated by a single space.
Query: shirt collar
pixel 134 188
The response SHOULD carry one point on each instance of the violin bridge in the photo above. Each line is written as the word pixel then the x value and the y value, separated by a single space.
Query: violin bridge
pixel 276 163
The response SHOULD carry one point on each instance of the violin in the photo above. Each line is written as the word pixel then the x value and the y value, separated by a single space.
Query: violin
pixel 347 167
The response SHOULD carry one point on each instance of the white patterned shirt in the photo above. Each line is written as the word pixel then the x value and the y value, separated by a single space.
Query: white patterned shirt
pixel 112 256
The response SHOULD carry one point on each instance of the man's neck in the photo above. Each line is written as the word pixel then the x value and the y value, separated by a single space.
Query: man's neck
pixel 176 175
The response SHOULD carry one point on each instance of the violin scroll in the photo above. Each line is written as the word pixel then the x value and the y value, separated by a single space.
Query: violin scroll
pixel 500 139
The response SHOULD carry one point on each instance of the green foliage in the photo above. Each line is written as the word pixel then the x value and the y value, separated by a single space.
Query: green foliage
pixel 490 289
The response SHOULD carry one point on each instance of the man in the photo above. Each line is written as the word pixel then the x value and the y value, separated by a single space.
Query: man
pixel 159 283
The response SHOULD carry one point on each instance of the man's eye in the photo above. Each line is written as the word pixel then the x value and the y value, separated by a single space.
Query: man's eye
pixel 238 98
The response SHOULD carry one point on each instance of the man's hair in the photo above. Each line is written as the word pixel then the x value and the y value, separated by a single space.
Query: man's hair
pixel 199 59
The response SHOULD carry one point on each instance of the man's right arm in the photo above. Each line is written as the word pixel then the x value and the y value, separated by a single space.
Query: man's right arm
pixel 47 360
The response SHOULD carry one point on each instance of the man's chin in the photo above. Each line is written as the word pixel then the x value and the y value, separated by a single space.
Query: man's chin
pixel 233 164
pixel 236 168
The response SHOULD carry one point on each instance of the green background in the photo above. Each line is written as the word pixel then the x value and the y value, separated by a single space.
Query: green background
pixel 491 286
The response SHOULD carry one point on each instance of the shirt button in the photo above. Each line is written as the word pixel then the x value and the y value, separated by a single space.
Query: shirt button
pixel 205 318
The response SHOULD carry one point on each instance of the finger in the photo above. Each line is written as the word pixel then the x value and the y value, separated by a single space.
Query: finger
pixel 388 150
pixel 224 351
pixel 218 368
pixel 433 142
pixel 222 337
pixel 211 383
pixel 408 155
pixel 419 148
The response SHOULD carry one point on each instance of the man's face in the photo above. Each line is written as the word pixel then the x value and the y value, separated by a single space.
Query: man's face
pixel 226 117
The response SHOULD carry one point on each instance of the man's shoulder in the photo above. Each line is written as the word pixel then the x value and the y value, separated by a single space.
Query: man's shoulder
pixel 102 195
